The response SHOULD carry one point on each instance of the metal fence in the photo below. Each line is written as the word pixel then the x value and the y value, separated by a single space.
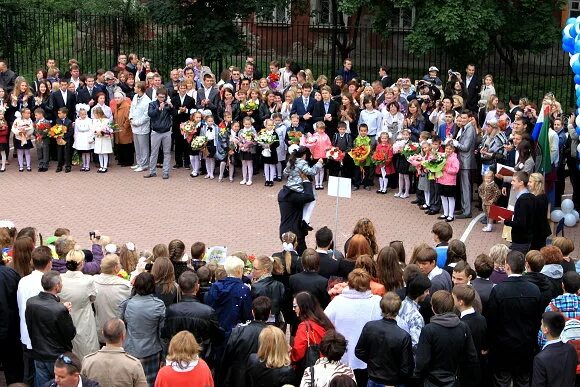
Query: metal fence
pixel 32 36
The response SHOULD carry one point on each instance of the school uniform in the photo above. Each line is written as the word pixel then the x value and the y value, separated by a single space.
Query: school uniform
pixel 343 142
pixel 64 152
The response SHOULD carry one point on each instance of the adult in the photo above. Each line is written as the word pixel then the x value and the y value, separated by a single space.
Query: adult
pixel 263 284
pixel 521 232
pixel 67 373
pixel 139 119
pixel 183 104
pixel 327 111
pixel 553 269
pixel 153 86
pixel 364 227
pixel 88 93
pixel 30 286
pixel 385 76
pixel 230 298
pixel 270 366
pixel 540 223
pixel 349 311
pixel 111 291
pixel 184 366
pixel 329 257
pixel 566 246
pixel 208 96
pixel 166 288
pixel 161 114
pixel 386 348
pixel 464 141
pixel 359 245
pixel 191 315
pixel 242 342
pixel 445 347
pixel 524 163
pixel 144 316
pixel 310 279
pixel 7 77
pixel 63 98
pixel 328 366
pixel 426 259
pixel 303 106
pixel 347 73
pixel 291 204
pixel 472 88
pixel 79 289
pixel 111 365
pixel 172 85
pixel 534 264
pixel 513 316
pixel 389 270
pixel 228 104
pixel 556 364
pixel 50 327
pixel 123 138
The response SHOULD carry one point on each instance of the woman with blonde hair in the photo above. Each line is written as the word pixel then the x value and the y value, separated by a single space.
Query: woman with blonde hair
pixel 183 366
pixel 160 250
pixel 165 285
pixel 498 253
pixel 79 289
pixel 270 367
pixel 487 90
pixel 128 257
pixel 540 225
pixel 566 246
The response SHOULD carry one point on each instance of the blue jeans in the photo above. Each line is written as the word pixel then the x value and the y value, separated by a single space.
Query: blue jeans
pixel 44 372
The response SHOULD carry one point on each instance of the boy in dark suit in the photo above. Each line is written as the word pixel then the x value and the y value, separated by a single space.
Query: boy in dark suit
pixel 303 106
pixel 326 110
pixel 183 104
pixel 65 151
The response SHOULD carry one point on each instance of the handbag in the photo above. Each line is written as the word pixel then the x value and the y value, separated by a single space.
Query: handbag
pixel 312 350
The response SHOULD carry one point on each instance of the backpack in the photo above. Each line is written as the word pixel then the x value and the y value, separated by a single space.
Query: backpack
pixel 571 333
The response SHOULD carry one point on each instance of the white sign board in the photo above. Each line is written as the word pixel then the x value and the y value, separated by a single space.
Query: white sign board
pixel 339 187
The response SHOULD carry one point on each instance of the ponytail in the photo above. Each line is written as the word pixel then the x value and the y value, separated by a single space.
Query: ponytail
pixel 289 241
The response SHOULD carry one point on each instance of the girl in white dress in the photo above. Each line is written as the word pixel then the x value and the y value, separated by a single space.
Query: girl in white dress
pixel 103 138
pixel 84 140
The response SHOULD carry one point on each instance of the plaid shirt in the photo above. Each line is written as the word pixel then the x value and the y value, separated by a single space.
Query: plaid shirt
pixel 568 304
pixel 410 320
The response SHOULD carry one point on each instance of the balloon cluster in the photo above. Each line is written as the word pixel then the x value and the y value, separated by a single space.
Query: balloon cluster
pixel 566 212
pixel 571 45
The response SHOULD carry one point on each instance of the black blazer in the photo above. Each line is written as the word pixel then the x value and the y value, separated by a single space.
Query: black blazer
pixel 312 283
pixel 555 366
pixel 318 115
pixel 84 96
pixel 483 287
pixel 473 93
pixel 221 109
pixel 523 222
pixel 298 108
pixel 214 98
pixel 329 266
pixel 188 103
pixel 541 227
pixel 290 204
pixel 56 101
pixel 513 318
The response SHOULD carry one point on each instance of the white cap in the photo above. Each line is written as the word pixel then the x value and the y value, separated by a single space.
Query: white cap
pixel 433 68
pixel 188 61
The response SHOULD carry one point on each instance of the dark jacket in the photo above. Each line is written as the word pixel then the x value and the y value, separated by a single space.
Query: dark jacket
pixel 446 347
pixel 290 204
pixel 523 218
pixel 272 289
pixel 70 132
pixel 242 343
pixel 232 301
pixel 318 113
pixel 191 315
pixel 161 120
pixel 258 375
pixel 7 79
pixel 50 327
pixel 478 327
pixel 540 225
pixel 188 103
pixel 221 109
pixel 55 102
pixel 387 350
pixel 483 288
pixel 312 283
pixel 9 320
pixel 543 283
pixel 555 366
pixel 513 320
pixel 299 108
pixel 329 266
pixel 85 381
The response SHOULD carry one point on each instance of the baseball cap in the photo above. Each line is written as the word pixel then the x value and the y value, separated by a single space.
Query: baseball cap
pixel 433 68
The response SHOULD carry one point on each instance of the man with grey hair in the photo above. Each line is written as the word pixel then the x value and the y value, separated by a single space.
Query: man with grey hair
pixel 111 85
pixel 50 327
pixel 230 298
pixel 111 365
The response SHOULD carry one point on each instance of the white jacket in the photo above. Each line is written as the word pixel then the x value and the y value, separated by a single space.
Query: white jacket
pixel 138 114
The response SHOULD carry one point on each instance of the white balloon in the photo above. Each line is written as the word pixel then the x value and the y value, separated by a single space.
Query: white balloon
pixel 576 214
pixel 570 220
pixel 578 121
pixel 567 30
pixel 577 27
pixel 574 58
pixel 567 206
pixel 556 216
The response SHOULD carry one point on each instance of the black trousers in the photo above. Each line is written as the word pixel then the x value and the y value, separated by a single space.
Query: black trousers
pixel 125 154
pixel 181 148
pixel 11 358
pixel 64 154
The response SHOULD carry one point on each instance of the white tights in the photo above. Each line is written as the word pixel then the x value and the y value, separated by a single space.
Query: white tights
pixel 269 172
pixel 247 170
pixel 404 183
pixel 104 160
pixel 210 166
pixel 448 203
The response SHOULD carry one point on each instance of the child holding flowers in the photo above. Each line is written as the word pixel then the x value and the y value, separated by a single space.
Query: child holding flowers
pixel 232 152
pixel 64 134
pixel 247 144
pixel 360 155
pixel 404 148
pixel 383 158
pixel 446 183
pixel 318 143
pixel 83 138
pixel 103 138
pixel 343 141
pixel 23 129
pixel 268 139
pixel 41 128
pixel 209 131
pixel 422 173
pixel 222 141
pixel 194 131
pixel 283 147
pixel 4 134
pixel 295 131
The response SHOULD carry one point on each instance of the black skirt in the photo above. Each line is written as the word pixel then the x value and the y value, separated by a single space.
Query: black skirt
pixel 401 164
pixel 446 190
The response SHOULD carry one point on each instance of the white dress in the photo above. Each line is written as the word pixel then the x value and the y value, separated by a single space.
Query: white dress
pixel 103 144
pixel 79 289
pixel 84 138
pixel 106 110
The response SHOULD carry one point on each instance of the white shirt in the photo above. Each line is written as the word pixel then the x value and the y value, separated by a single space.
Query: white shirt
pixel 435 272
pixel 29 286
pixel 207 92
pixel 466 312
pixel 63 96
pixel 467 81
pixel 551 342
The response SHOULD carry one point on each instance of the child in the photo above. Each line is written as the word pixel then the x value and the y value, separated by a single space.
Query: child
pixel 442 233
pixel 4 134
pixel 297 164
pixel 420 201
pixel 103 138
pixel 447 129
pixel 84 139
pixel 209 130
pixel 232 152
pixel 283 147
pixel 23 128
pixel 362 172
pixel 295 126
pixel 64 151
pixel 270 161
pixel 42 126
pixel 247 137
pixel 446 183
pixel 423 184
pixel 194 157
pixel 489 193
pixel 222 144
pixel 402 166
pixel 318 143
pixel 343 141
pixel 386 168
pixel 435 196
pixel 371 118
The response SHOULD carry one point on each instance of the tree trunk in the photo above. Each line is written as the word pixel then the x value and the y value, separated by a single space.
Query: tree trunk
pixel 507 56
pixel 348 42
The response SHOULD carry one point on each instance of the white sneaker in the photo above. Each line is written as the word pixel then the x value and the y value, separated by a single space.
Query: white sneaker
pixel 404 196
pixel 135 167
pixel 242 182
pixel 487 228
pixel 206 177
pixel 249 182
pixel 398 195
pixel 138 169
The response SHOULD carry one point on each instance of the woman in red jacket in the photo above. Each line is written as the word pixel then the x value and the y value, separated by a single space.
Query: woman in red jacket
pixel 313 325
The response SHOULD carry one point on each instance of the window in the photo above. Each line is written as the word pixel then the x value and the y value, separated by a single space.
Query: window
pixel 574 6
pixel 402 18
pixel 321 13
pixel 280 15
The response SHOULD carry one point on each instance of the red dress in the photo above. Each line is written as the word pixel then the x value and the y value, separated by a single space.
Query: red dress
pixel 387 149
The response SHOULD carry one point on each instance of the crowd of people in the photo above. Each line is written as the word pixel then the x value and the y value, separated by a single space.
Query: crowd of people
pixel 111 315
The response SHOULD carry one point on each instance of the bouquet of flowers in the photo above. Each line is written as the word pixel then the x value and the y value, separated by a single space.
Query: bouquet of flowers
pixel 273 80
pixel 398 146
pixel 265 139
pixel 410 149
pixel 434 165
pixel 198 143
pixel 188 129
pixel 41 130
pixel 249 265
pixel 247 140
pixel 249 106
pixel 311 139
pixel 378 157
pixel 58 131
pixel 334 154
pixel 360 155
pixel 114 127
pixel 295 136
pixel 123 274
pixel 416 161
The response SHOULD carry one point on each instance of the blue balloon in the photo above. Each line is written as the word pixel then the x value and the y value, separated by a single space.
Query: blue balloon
pixel 576 67
pixel 577 79
pixel 578 101
pixel 577 44
pixel 578 130
pixel 578 92
pixel 572 20
pixel 568 46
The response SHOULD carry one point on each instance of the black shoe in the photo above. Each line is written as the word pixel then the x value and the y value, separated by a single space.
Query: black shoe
pixel 448 220
pixel 67 170
pixel 306 226
pixel 441 217
pixel 58 169
pixel 432 212
pixel 416 201
pixel 463 216
pixel 150 175
pixel 176 166
pixel 266 183
pixel 278 179
pixel 368 188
